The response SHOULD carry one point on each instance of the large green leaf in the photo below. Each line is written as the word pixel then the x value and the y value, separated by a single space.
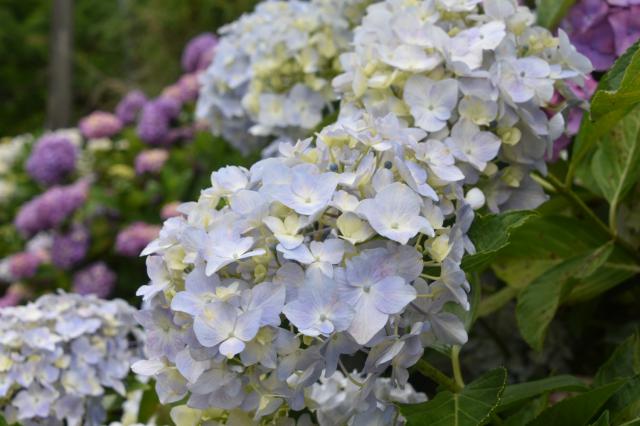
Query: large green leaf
pixel 551 12
pixel 579 410
pixel 490 234
pixel 471 407
pixel 615 164
pixel 603 420
pixel 515 394
pixel 620 87
pixel 538 302
pixel 593 129
pixel 546 241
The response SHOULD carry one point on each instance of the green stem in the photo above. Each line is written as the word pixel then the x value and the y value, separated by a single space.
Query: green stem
pixel 455 364
pixel 496 301
pixel 428 370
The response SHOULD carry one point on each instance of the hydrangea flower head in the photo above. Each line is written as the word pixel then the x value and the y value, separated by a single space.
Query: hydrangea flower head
pixel 61 354
pixel 150 161
pixel 130 106
pixel 100 124
pixel 96 279
pixel 53 158
pixel 71 248
pixel 351 242
pixel 51 208
pixel 198 52
pixel 270 76
pixel 603 29
pixel 135 237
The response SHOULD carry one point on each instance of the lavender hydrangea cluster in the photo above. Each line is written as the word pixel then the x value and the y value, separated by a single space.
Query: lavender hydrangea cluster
pixel 60 355
pixel 135 237
pixel 603 29
pixel 51 208
pixel 271 76
pixel 155 120
pixel 151 161
pixel 198 53
pixel 52 159
pixel 130 106
pixel 69 249
pixel 100 124
pixel 96 279
pixel 351 242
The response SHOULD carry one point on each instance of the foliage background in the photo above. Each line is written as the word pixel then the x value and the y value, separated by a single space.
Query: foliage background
pixel 118 45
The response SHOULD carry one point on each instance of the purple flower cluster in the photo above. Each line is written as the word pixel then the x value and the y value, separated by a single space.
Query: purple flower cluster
pixel 71 248
pixel 24 265
pixel 130 106
pixel 155 121
pixel 603 29
pixel 100 124
pixel 198 53
pixel 52 208
pixel 96 279
pixel 134 238
pixel 151 161
pixel 52 159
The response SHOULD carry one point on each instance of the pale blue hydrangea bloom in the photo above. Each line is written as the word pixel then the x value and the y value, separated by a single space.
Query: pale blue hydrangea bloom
pixel 60 355
pixel 271 75
pixel 351 242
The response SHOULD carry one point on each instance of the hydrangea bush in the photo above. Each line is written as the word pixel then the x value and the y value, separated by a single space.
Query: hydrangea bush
pixel 350 244
pixel 271 76
pixel 60 356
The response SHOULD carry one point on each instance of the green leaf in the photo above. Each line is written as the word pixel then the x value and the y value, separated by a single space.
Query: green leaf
pixel 541 243
pixel 615 164
pixel 623 363
pixel 471 407
pixel 538 302
pixel 624 405
pixel 603 420
pixel 3 422
pixel 579 410
pixel 149 405
pixel 527 412
pixel 551 12
pixel 491 233
pixel 515 394
pixel 620 87
pixel 603 119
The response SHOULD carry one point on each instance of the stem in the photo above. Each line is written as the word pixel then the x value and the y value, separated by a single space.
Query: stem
pixel 428 370
pixel 455 363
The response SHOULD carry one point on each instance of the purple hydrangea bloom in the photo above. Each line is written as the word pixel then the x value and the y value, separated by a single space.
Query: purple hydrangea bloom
pixel 52 159
pixel 100 124
pixel 170 210
pixel 134 238
pixel 603 30
pixel 155 120
pixel 24 265
pixel 52 208
pixel 129 107
pixel 96 279
pixel 151 161
pixel 199 52
pixel 71 248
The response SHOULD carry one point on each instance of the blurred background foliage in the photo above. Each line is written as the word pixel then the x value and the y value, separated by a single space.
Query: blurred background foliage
pixel 118 45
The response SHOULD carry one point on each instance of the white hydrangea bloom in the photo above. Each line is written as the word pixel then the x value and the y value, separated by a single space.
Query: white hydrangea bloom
pixel 351 242
pixel 488 76
pixel 61 354
pixel 271 76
